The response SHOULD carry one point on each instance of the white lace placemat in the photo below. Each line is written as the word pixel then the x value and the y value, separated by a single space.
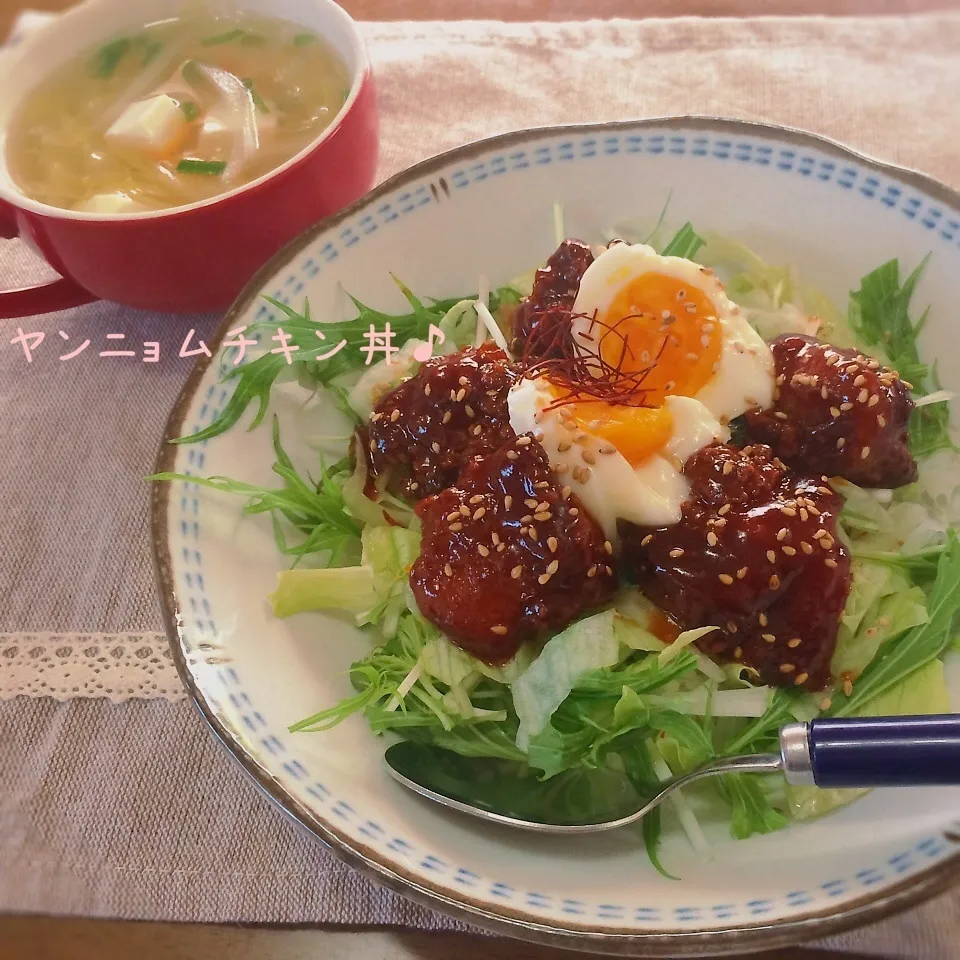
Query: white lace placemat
pixel 117 666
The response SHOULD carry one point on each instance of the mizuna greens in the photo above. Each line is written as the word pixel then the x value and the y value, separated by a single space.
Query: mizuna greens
pixel 588 726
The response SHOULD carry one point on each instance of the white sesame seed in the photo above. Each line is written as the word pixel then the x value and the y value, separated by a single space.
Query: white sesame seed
pixel 830 563
pixel 592 572
pixel 516 571
pixel 426 390
pixel 608 547
pixel 523 441
pixel 395 416
pixel 789 551
pixel 782 533
pixel 711 539
pixel 646 540
pixel 461 393
pixel 468 410
pixel 479 512
pixel 482 550
pixel 456 527
pixel 448 570
pixel 552 544
pixel 543 579
pixel 874 400
pixel 588 456
pixel 725 578
pixel 435 447
pixel 676 552
pixel 499 629
pixel 771 556
pixel 769 637
pixel 864 453
pixel 508 501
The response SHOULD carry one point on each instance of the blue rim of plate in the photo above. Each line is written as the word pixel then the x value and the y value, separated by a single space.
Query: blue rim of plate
pixel 585 140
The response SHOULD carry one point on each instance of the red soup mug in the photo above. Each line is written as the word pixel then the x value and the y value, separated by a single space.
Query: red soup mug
pixel 195 257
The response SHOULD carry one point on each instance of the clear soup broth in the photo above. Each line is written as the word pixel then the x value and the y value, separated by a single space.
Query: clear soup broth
pixel 179 111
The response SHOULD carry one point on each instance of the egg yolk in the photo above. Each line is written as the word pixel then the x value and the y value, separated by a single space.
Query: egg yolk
pixel 636 432
pixel 662 329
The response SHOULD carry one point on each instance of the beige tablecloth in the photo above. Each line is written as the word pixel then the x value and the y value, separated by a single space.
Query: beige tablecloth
pixel 130 809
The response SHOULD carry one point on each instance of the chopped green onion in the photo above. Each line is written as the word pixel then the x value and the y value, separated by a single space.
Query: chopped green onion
pixel 227 37
pixel 257 99
pixel 302 39
pixel 150 49
pixel 190 110
pixel 108 57
pixel 212 168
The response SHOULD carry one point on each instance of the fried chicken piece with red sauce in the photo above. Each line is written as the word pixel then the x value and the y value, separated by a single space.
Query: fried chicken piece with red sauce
pixel 508 554
pixel 837 412
pixel 541 324
pixel 452 410
pixel 756 553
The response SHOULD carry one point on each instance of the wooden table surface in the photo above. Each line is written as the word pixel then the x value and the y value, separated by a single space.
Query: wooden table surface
pixel 46 938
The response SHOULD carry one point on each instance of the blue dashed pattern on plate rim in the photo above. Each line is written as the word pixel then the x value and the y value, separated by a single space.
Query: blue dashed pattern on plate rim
pixel 183 531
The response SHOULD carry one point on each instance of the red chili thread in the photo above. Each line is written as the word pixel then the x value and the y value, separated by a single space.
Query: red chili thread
pixel 585 375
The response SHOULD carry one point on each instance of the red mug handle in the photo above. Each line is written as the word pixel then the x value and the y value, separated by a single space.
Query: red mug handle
pixel 59 294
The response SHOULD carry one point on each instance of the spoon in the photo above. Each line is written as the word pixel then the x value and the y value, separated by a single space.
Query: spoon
pixel 829 753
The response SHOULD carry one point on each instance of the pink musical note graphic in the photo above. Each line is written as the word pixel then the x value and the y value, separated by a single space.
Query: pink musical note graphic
pixel 425 351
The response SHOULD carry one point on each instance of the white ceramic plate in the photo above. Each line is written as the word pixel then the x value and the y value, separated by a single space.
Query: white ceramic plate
pixel 487 208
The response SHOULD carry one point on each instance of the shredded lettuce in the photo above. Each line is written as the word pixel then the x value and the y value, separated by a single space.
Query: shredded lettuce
pixel 336 588
pixel 892 615
pixel 588 644
pixel 898 658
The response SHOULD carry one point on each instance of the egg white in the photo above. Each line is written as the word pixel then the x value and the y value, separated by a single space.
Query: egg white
pixel 648 494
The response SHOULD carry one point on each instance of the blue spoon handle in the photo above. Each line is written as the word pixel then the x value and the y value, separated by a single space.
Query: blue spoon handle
pixel 885 751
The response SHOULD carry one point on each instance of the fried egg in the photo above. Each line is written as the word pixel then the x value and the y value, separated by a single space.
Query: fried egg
pixel 663 330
